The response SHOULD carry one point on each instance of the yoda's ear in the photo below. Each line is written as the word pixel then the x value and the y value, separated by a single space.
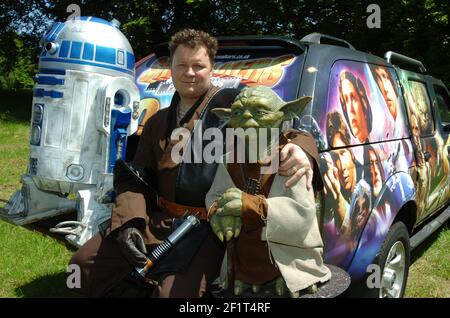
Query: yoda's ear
pixel 295 108
pixel 222 113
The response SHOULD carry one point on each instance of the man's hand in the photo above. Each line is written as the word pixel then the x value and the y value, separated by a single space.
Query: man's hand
pixel 226 222
pixel 131 244
pixel 295 163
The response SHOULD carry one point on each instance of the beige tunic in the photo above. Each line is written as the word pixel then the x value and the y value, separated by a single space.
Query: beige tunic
pixel 291 229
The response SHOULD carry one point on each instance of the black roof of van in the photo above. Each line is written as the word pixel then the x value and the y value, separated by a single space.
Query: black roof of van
pixel 253 42
pixel 333 48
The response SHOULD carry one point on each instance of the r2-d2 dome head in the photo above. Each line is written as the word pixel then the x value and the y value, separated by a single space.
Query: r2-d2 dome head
pixel 88 44
pixel 85 104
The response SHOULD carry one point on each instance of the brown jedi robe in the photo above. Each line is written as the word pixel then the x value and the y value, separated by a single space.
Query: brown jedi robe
pixel 251 262
pixel 276 221
pixel 153 152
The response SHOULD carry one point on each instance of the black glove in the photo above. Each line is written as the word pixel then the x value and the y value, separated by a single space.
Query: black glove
pixel 131 244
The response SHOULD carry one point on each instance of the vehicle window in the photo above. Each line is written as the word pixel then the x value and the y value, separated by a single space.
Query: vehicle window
pixel 443 104
pixel 419 106
pixel 364 103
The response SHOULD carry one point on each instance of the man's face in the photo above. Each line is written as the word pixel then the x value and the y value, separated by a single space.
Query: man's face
pixel 355 111
pixel 375 172
pixel 191 71
pixel 362 210
pixel 414 126
pixel 421 102
pixel 415 131
pixel 345 165
pixel 388 91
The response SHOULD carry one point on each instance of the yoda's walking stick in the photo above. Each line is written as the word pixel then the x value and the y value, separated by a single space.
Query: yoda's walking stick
pixel 230 269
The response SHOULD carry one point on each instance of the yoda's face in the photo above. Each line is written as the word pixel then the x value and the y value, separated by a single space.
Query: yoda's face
pixel 255 112
pixel 260 107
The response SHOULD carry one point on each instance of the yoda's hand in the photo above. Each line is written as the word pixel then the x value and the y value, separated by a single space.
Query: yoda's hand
pixel 229 195
pixel 226 222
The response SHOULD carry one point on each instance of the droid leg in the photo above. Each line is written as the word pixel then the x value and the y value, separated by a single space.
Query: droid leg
pixel 90 213
pixel 31 204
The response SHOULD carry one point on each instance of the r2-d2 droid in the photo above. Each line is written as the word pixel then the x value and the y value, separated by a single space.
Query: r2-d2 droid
pixel 85 105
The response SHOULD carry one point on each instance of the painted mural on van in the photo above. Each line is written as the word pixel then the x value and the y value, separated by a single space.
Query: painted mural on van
pixel 279 72
pixel 365 169
pixel 432 162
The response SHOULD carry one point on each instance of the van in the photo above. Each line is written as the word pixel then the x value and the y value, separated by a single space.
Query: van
pixel 381 127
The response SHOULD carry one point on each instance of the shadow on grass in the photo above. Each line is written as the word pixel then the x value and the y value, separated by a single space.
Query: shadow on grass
pixel 49 286
pixel 44 227
pixel 54 286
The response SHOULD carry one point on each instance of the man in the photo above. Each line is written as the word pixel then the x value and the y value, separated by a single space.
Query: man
pixel 376 177
pixel 394 125
pixel 342 182
pixel 340 177
pixel 137 225
pixel 386 84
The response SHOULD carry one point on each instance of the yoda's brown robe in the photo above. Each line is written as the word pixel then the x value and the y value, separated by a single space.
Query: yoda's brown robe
pixel 279 221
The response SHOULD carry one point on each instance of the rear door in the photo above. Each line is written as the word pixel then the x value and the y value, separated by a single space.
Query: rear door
pixel 441 108
pixel 427 141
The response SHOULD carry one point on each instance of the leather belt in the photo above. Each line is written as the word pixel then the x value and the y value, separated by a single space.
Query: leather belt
pixel 179 210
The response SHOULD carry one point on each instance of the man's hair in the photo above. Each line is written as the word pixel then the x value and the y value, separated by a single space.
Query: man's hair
pixel 374 68
pixel 335 126
pixel 194 38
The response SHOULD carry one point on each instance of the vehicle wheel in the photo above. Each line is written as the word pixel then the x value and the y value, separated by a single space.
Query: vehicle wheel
pixel 394 259
pixel 393 262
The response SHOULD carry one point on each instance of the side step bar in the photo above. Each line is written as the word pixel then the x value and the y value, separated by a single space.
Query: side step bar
pixel 428 229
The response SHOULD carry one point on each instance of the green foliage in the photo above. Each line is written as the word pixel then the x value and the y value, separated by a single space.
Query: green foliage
pixel 415 28
pixel 17 70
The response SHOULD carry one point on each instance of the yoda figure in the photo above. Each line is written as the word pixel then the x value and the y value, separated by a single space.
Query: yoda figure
pixel 275 231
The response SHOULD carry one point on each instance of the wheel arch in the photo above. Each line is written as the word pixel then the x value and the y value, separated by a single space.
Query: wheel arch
pixel 408 215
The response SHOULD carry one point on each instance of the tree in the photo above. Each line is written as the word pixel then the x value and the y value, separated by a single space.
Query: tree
pixel 18 75
pixel 417 28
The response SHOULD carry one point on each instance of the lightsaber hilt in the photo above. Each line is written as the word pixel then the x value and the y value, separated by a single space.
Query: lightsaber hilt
pixel 163 248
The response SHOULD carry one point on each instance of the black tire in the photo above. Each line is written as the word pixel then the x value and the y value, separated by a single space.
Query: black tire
pixel 393 276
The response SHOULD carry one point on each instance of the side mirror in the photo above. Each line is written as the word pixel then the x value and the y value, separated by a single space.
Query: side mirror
pixel 446 128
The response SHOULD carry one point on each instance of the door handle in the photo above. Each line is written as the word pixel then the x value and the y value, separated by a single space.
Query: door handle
pixel 427 155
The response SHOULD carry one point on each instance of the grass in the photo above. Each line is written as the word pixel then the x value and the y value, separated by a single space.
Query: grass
pixel 429 275
pixel 33 263
pixel 13 156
